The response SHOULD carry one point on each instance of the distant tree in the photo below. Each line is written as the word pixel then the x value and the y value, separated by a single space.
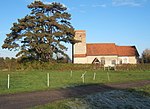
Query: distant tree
pixel 146 56
pixel 1 59
pixel 39 35
pixel 2 62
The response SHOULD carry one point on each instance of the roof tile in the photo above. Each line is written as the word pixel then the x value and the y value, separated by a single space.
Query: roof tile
pixel 95 49
pixel 127 51
pixel 101 49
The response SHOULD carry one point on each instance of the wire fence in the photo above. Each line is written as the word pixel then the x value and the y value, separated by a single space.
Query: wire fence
pixel 39 80
pixel 33 80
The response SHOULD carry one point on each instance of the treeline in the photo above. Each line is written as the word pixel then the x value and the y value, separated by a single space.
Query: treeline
pixel 7 63
pixel 12 64
pixel 137 67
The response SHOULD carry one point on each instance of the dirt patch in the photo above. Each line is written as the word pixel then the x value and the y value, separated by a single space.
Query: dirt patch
pixel 27 100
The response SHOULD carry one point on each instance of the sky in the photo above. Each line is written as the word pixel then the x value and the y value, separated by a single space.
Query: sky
pixel 124 22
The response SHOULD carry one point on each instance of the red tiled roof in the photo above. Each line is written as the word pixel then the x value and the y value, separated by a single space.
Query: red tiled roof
pixel 79 30
pixel 101 49
pixel 127 51
pixel 110 49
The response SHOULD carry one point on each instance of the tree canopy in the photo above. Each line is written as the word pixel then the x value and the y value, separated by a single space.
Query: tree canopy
pixel 40 34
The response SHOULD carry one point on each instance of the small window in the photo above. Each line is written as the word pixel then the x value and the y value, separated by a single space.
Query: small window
pixel 113 62
pixel 120 62
pixel 80 38
pixel 125 60
pixel 103 60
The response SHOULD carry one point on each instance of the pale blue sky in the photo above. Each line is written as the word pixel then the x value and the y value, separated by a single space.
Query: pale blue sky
pixel 124 22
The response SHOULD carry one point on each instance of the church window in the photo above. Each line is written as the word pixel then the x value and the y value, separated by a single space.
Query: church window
pixel 113 62
pixel 103 60
pixel 125 60
pixel 120 62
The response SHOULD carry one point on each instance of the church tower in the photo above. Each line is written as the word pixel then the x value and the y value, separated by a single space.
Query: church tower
pixel 80 47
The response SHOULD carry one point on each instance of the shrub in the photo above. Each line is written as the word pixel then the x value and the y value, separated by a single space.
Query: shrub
pixel 133 67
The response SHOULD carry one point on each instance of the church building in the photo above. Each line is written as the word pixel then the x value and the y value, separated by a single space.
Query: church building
pixel 108 54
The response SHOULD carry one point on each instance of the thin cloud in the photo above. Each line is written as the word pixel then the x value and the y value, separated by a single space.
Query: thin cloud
pixel 100 5
pixel 132 3
pixel 71 8
pixel 94 5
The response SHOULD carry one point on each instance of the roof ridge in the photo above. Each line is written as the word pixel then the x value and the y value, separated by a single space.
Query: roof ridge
pixel 100 43
pixel 125 46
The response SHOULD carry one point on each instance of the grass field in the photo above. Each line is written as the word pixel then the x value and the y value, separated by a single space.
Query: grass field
pixel 37 80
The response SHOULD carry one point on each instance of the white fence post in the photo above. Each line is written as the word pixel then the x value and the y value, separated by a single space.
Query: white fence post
pixel 83 77
pixel 94 76
pixel 108 76
pixel 8 82
pixel 48 79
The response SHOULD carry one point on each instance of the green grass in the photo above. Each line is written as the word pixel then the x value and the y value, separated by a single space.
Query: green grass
pixel 37 80
pixel 145 89
pixel 55 105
